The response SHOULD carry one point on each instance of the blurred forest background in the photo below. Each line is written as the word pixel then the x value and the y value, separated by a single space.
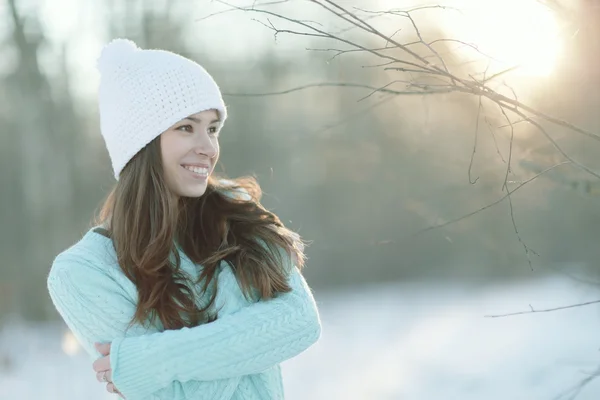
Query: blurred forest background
pixel 359 177
pixel 378 182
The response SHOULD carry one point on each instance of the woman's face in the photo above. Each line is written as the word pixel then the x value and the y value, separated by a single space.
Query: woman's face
pixel 189 151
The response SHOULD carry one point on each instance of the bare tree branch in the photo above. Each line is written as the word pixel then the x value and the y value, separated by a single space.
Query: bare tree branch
pixel 331 36
pixel 271 3
pixel 497 75
pixel 464 44
pixel 572 393
pixel 420 8
pixel 560 150
pixel 491 130
pixel 527 249
pixel 353 19
pixel 455 220
pixel 421 65
pixel 342 84
pixel 475 143
pixel 435 53
pixel 492 95
pixel 532 310
pixel 415 63
pixel 510 147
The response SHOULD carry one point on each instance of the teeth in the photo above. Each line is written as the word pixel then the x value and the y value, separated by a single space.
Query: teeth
pixel 198 170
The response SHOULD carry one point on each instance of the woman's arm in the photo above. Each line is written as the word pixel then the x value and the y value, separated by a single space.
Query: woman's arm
pixel 96 309
pixel 249 341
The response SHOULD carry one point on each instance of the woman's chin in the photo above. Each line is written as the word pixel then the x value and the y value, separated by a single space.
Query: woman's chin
pixel 196 191
pixel 193 192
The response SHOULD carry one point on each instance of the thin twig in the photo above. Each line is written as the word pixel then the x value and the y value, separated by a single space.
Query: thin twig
pixel 465 44
pixel 527 249
pixel 435 53
pixel 475 144
pixel 510 147
pixel 455 220
pixel 491 130
pixel 271 3
pixel 353 19
pixel 498 98
pixel 331 36
pixel 420 8
pixel 500 73
pixel 532 311
pixel 556 146
pixel 341 84
pixel 573 392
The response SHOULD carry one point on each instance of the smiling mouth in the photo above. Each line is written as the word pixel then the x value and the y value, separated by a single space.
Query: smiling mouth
pixel 199 172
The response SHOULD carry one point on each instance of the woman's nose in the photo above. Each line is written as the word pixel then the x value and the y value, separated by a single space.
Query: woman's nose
pixel 206 146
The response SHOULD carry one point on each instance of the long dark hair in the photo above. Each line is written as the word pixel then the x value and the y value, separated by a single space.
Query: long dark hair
pixel 147 223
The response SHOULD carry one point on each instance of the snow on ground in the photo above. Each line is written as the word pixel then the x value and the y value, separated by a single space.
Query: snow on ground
pixel 395 341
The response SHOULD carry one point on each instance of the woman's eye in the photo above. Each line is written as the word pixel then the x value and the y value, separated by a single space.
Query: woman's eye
pixel 213 130
pixel 187 128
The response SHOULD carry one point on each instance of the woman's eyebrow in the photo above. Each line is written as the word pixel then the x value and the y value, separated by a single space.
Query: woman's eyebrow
pixel 198 120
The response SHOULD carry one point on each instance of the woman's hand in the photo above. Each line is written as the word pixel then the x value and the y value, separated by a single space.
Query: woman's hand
pixel 102 368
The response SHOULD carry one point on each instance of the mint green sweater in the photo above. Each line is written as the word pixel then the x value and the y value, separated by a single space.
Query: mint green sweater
pixel 236 357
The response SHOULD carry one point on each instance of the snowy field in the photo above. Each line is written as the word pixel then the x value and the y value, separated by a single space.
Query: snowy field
pixel 398 341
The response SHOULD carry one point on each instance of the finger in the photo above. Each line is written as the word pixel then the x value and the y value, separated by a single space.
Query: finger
pixel 111 388
pixel 101 364
pixel 104 374
pixel 103 348
pixel 116 391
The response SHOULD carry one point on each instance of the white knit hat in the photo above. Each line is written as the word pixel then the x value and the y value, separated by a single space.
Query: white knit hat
pixel 144 92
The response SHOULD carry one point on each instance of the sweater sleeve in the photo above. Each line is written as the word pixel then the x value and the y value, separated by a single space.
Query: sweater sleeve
pixel 249 341
pixel 96 309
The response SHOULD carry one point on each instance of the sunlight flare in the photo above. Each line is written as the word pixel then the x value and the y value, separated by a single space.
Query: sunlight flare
pixel 69 344
pixel 521 33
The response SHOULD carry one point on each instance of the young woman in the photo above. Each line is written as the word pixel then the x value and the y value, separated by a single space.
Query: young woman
pixel 186 287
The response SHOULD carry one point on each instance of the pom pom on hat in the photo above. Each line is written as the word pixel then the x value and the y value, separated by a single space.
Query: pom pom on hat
pixel 114 53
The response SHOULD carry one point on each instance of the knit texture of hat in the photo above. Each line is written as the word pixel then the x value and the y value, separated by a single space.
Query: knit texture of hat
pixel 143 92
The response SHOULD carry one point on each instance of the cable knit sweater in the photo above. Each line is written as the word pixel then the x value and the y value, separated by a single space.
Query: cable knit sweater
pixel 236 357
